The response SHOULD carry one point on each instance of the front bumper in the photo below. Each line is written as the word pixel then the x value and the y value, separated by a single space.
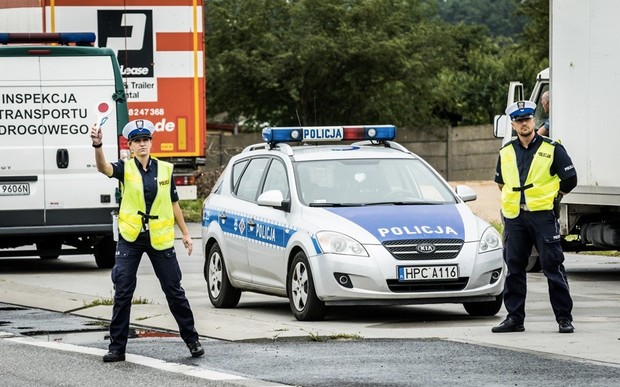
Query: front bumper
pixel 373 280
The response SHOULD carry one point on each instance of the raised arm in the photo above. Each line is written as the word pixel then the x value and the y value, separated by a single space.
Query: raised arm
pixel 97 137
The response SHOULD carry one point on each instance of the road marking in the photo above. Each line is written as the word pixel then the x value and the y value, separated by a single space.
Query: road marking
pixel 158 364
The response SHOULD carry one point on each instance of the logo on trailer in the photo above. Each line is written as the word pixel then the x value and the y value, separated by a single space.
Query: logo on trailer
pixel 130 34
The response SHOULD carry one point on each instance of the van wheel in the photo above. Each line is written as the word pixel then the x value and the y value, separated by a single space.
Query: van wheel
pixel 49 249
pixel 487 308
pixel 105 253
pixel 305 305
pixel 221 292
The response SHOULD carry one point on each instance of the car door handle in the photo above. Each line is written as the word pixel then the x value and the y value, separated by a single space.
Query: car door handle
pixel 62 158
pixel 251 223
pixel 223 216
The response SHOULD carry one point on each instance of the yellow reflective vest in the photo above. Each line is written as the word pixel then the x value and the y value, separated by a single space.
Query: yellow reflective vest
pixel 540 186
pixel 161 224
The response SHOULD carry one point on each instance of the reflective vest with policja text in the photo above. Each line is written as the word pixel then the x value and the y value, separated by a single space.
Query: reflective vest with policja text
pixel 540 186
pixel 161 223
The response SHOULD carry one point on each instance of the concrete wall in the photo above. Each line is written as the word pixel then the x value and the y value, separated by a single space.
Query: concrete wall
pixel 460 153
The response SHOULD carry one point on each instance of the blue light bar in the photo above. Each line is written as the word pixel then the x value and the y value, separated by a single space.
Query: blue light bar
pixel 329 133
pixel 65 38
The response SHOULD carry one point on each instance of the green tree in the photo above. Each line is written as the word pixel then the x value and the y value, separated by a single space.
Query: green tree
pixel 319 62
pixel 499 16
pixel 535 35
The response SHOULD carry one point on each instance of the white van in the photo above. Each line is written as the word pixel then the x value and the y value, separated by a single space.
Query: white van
pixel 53 87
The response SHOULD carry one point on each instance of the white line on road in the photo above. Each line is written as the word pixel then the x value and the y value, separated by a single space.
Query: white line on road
pixel 158 364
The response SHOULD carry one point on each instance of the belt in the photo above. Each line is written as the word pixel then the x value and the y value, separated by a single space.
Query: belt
pixel 145 220
pixel 521 189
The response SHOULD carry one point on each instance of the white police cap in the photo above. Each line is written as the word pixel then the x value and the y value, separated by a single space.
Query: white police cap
pixel 521 110
pixel 138 128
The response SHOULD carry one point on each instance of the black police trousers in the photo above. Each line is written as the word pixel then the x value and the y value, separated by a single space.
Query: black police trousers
pixel 166 267
pixel 539 228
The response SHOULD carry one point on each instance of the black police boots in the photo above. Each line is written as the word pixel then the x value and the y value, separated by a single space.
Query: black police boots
pixel 508 325
pixel 195 349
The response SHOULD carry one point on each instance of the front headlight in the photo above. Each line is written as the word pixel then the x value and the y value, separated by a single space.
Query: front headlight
pixel 491 240
pixel 336 243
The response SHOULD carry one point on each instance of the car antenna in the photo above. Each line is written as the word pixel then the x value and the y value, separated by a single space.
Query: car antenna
pixel 298 119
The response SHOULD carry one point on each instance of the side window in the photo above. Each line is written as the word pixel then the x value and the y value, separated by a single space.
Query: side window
pixel 237 170
pixel 249 182
pixel 276 178
pixel 542 112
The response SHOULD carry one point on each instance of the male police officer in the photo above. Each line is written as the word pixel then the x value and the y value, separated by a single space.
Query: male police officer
pixel 533 172
pixel 148 210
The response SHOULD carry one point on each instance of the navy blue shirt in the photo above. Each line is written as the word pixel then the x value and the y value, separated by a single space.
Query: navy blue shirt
pixel 149 180
pixel 562 164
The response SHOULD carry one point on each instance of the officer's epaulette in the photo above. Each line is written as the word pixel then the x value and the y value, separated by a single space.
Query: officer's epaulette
pixel 549 140
pixel 509 143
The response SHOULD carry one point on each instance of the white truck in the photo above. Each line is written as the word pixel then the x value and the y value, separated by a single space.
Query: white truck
pixel 583 77
pixel 53 87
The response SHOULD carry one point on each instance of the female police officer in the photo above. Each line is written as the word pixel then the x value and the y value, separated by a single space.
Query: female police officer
pixel 533 173
pixel 149 208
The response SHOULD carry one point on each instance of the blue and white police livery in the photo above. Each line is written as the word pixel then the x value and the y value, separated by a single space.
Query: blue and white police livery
pixel 362 223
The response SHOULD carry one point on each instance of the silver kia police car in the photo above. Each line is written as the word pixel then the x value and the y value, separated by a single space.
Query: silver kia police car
pixel 365 222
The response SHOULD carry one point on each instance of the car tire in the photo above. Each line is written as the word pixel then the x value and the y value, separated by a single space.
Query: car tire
pixel 221 292
pixel 105 253
pixel 49 249
pixel 304 303
pixel 487 308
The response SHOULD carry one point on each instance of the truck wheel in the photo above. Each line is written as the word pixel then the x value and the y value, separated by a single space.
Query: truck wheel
pixel 487 308
pixel 221 292
pixel 49 249
pixel 105 253
pixel 303 300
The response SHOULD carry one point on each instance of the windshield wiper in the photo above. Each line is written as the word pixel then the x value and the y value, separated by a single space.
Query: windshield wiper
pixel 402 203
pixel 315 204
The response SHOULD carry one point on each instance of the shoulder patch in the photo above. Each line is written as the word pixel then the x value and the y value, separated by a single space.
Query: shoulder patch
pixel 549 140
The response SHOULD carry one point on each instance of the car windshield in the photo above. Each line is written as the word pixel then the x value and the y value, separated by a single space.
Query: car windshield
pixel 356 182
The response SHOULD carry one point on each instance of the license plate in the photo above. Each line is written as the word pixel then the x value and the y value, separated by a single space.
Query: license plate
pixel 423 273
pixel 14 189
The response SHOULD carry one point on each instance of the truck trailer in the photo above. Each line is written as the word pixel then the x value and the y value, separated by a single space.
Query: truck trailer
pixel 160 49
pixel 582 78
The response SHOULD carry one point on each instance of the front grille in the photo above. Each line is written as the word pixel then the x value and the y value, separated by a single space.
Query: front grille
pixel 427 286
pixel 407 249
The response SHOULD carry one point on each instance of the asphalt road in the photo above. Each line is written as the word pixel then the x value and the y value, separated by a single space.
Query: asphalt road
pixel 260 341
pixel 48 355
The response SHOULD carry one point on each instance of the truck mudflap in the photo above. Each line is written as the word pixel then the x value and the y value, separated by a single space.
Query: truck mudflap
pixel 602 234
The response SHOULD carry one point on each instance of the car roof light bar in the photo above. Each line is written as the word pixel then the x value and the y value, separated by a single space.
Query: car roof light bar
pixel 63 38
pixel 275 135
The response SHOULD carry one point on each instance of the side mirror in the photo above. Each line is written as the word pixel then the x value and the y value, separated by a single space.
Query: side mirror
pixel 275 199
pixel 466 193
pixel 501 125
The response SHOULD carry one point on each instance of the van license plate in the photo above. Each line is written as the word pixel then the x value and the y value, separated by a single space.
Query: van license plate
pixel 10 189
pixel 421 273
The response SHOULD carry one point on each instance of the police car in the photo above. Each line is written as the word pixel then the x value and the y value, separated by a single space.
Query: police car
pixel 361 223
